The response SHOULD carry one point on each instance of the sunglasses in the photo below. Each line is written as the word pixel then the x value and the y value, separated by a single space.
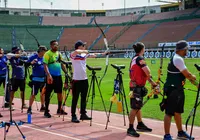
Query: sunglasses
pixel 56 45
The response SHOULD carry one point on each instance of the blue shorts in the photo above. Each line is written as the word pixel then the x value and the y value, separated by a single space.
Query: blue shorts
pixel 37 87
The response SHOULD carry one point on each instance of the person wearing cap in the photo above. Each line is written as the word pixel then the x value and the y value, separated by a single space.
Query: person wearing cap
pixel 37 78
pixel 3 70
pixel 52 66
pixel 177 72
pixel 80 80
pixel 18 73
pixel 139 73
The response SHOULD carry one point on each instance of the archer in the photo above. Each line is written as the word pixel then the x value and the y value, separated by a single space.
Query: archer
pixel 174 90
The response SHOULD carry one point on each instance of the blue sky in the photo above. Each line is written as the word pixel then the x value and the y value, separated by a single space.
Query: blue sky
pixel 73 4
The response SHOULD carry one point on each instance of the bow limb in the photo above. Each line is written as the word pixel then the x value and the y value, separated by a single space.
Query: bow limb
pixel 160 69
pixel 107 49
pixel 33 37
pixel 161 66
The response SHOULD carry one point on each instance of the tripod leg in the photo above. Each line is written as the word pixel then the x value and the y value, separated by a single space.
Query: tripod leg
pixel 101 96
pixel 93 95
pixel 88 95
pixel 5 132
pixel 108 116
pixel 124 95
pixel 121 94
pixel 19 130
pixel 63 106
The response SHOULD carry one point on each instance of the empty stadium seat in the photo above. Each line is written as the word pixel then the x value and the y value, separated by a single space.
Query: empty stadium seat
pixel 166 15
pixel 18 20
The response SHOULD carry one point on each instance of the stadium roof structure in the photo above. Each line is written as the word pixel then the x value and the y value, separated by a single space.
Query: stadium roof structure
pixel 169 1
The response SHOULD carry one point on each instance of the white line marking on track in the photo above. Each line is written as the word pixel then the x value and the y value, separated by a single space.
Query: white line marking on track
pixel 52 133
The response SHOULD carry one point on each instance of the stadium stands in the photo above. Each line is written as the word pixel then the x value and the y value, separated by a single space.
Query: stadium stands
pixel 132 35
pixel 170 32
pixel 5 38
pixel 198 12
pixel 71 35
pixel 44 36
pixel 167 15
pixel 63 21
pixel 18 20
pixel 115 19
pixel 195 36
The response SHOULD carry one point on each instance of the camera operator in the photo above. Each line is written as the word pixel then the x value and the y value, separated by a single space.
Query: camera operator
pixel 17 58
pixel 37 78
pixel 3 70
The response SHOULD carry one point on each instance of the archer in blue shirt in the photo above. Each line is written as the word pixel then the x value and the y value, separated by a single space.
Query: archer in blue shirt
pixel 38 77
pixel 3 70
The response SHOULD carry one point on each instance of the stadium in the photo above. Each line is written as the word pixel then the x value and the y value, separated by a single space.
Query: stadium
pixel 159 26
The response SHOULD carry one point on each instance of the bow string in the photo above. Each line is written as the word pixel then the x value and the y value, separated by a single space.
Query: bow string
pixel 107 49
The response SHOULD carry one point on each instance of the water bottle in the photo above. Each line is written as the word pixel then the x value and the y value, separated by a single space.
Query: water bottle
pixel 29 118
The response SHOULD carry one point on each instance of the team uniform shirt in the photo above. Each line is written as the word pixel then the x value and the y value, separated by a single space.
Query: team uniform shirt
pixel 18 71
pixel 137 75
pixel 52 60
pixel 38 73
pixel 174 75
pixel 3 66
pixel 79 66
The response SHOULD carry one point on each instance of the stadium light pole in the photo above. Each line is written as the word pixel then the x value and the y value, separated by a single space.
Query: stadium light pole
pixel 30 6
pixel 78 6
pixel 124 7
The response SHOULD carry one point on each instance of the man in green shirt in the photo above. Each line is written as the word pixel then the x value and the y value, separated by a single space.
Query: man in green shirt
pixel 52 67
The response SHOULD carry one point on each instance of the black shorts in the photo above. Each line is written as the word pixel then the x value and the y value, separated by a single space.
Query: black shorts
pixel 57 85
pixel 175 100
pixel 2 80
pixel 17 83
pixel 137 101
pixel 36 87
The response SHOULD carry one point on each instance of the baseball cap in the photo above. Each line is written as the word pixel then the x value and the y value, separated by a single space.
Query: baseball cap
pixel 15 49
pixel 79 43
pixel 182 45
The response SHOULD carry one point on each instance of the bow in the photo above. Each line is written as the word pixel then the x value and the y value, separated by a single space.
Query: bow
pixel 107 49
pixel 159 78
pixel 191 114
pixel 33 37
pixel 193 111
pixel 161 65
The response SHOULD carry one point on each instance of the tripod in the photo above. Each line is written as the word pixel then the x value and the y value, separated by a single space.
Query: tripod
pixel 92 86
pixel 68 81
pixel 11 122
pixel 119 89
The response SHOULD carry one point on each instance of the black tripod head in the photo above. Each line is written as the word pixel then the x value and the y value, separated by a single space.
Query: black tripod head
pixel 97 68
pixel 118 67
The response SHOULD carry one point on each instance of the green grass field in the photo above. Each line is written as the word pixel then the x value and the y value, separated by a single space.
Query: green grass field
pixel 151 109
